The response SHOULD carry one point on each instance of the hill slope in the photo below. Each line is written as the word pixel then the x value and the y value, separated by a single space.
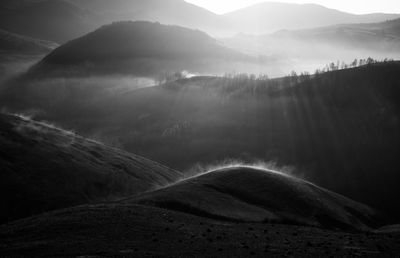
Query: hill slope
pixel 139 47
pixel 173 12
pixel 376 37
pixel 121 230
pixel 64 20
pixel 12 43
pixel 269 17
pixel 53 20
pixel 310 49
pixel 338 129
pixel 45 168
pixel 258 195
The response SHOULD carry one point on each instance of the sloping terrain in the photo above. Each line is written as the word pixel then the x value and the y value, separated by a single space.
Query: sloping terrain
pixel 309 49
pixel 259 195
pixel 13 43
pixel 64 20
pixel 44 168
pixel 339 130
pixel 139 47
pixel 52 20
pixel 125 230
pixel 269 17
pixel 174 12
pixel 381 37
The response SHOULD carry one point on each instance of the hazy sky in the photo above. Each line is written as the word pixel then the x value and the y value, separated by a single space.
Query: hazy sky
pixel 353 6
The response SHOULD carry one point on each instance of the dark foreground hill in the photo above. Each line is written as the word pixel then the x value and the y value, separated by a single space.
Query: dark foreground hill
pixel 126 230
pixel 44 168
pixel 259 195
pixel 140 48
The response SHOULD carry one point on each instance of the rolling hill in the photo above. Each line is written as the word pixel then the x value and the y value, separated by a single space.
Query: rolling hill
pixel 53 20
pixel 258 195
pixel 141 48
pixel 338 129
pixel 45 168
pixel 64 20
pixel 171 12
pixel 11 43
pixel 234 212
pixel 268 17
pixel 309 49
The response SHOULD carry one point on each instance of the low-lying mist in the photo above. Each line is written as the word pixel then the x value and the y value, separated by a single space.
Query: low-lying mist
pixel 306 54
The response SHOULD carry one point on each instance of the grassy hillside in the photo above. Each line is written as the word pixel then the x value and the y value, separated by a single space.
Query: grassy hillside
pixel 337 129
pixel 121 230
pixel 258 195
pixel 143 48
pixel 44 168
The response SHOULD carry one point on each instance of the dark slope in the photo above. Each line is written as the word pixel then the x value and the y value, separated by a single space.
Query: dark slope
pixel 269 17
pixel 53 20
pixel 174 12
pixel 64 20
pixel 123 230
pixel 258 195
pixel 11 43
pixel 339 129
pixel 140 48
pixel 44 168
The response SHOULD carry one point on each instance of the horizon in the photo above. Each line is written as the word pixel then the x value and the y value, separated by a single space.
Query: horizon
pixel 353 6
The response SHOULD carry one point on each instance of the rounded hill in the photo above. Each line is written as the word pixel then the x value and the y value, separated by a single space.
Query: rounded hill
pixel 259 195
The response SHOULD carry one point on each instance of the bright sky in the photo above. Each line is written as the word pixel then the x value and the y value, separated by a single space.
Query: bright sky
pixel 352 6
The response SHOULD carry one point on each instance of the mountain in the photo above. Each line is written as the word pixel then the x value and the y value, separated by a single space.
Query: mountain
pixel 13 43
pixel 64 20
pixel 258 195
pixel 172 12
pixel 45 168
pixel 383 37
pixel 52 20
pixel 309 49
pixel 143 48
pixel 268 17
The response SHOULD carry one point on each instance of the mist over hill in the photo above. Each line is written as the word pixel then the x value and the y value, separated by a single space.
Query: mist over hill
pixel 325 126
pixel 269 17
pixel 309 49
pixel 11 43
pixel 258 195
pixel 141 48
pixel 45 168
pixel 64 20
pixel 278 125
